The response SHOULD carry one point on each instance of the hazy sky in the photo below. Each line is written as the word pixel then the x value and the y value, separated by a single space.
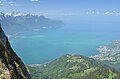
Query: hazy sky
pixel 89 14
pixel 62 7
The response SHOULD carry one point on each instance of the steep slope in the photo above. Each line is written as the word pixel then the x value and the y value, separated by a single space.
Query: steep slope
pixel 15 68
pixel 17 22
pixel 4 72
pixel 73 67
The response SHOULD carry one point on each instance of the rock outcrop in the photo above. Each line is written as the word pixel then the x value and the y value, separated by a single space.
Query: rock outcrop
pixel 11 66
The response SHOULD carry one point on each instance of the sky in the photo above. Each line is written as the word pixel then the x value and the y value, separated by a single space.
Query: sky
pixel 56 8
pixel 85 13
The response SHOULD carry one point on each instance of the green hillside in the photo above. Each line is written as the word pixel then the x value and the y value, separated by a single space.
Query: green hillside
pixel 73 67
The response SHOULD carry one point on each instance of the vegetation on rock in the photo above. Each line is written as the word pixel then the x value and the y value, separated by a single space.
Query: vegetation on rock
pixel 10 62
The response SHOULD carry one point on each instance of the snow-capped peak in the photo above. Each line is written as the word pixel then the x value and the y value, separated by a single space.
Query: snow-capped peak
pixel 9 14
pixel 18 14
pixel 15 14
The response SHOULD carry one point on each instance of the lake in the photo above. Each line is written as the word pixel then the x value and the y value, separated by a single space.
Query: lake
pixel 37 47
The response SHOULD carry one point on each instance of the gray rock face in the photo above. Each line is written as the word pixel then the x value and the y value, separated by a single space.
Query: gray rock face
pixel 13 64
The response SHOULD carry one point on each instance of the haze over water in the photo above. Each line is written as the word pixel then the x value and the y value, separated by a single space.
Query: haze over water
pixel 78 36
pixel 89 24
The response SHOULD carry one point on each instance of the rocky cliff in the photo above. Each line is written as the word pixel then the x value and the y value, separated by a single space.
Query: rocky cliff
pixel 11 66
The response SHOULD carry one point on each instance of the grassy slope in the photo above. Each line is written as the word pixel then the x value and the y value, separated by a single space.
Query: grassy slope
pixel 74 67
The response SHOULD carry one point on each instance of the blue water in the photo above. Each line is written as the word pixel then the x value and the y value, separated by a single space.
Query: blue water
pixel 43 46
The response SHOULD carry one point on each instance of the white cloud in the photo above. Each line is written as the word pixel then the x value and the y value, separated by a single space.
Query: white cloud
pixel 9 3
pixel 112 13
pixel 12 4
pixel 90 13
pixel 34 0
pixel 108 13
pixel 1 3
pixel 93 12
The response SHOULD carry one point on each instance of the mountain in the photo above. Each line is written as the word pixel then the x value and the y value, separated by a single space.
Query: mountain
pixel 110 54
pixel 11 66
pixel 18 22
pixel 73 67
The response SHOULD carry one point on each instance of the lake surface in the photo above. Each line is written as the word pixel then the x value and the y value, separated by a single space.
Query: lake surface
pixel 43 46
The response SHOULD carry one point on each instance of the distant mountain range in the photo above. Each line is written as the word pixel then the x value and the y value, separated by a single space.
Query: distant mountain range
pixel 18 22
pixel 73 67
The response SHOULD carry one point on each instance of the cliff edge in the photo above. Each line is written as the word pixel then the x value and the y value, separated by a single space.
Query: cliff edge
pixel 11 66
